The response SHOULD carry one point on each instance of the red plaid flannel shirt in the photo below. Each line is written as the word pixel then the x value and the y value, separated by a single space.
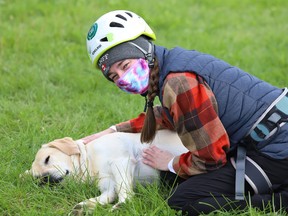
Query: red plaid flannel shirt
pixel 193 107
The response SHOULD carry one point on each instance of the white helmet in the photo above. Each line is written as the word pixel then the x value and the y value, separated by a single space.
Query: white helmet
pixel 114 28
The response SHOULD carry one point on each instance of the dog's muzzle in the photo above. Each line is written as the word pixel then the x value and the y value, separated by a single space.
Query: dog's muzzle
pixel 50 179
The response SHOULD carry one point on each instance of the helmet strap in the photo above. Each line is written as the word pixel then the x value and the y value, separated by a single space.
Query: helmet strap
pixel 146 103
pixel 149 56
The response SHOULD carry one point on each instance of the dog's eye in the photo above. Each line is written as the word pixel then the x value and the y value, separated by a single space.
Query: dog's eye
pixel 47 160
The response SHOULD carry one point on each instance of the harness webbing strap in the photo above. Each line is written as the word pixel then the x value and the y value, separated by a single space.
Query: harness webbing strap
pixel 240 173
pixel 255 176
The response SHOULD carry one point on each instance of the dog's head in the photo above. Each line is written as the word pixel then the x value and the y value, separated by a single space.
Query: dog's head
pixel 54 160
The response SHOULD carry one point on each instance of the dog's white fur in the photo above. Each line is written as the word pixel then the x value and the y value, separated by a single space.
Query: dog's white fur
pixel 115 160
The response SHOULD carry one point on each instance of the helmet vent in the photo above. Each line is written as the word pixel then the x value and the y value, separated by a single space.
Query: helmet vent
pixel 129 14
pixel 105 39
pixel 115 24
pixel 121 17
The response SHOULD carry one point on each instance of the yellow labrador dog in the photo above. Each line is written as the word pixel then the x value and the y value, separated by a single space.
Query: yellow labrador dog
pixel 114 160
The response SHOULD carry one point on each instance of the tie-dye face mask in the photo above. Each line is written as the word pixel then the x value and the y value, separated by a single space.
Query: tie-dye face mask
pixel 135 79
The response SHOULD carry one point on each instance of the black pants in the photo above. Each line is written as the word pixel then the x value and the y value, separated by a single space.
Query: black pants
pixel 215 190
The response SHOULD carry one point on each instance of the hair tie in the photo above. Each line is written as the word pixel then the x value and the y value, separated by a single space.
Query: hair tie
pixel 150 103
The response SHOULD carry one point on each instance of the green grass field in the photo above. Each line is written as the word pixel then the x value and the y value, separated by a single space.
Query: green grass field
pixel 49 90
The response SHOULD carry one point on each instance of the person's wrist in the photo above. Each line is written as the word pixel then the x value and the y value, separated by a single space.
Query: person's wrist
pixel 170 166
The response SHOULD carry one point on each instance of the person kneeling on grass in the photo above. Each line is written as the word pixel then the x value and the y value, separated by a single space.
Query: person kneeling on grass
pixel 230 121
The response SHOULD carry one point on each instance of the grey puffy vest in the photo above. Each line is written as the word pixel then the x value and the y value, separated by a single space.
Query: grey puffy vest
pixel 241 97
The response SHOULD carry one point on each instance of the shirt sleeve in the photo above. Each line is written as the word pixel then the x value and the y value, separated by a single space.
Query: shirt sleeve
pixel 135 125
pixel 193 108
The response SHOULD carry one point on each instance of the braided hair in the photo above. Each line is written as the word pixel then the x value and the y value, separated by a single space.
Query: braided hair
pixel 149 128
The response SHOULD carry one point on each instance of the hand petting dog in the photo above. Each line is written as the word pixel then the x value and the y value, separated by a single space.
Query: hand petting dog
pixel 157 158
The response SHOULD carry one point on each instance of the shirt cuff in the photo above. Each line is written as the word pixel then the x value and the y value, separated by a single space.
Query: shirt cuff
pixel 113 127
pixel 170 166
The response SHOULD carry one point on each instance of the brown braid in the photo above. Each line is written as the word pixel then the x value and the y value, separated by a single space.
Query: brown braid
pixel 149 128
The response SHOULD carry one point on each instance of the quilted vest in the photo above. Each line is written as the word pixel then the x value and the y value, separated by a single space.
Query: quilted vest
pixel 241 97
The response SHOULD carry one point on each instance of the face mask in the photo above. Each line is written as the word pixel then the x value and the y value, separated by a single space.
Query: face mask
pixel 135 79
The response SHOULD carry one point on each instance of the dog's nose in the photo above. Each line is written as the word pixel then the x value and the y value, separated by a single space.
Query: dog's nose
pixel 49 179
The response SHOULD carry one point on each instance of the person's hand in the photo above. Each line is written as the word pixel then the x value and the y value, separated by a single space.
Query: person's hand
pixel 157 158
pixel 92 137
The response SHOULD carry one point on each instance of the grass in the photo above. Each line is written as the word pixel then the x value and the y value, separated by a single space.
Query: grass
pixel 48 88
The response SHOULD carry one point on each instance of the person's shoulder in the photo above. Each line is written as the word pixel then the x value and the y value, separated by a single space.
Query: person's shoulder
pixel 180 79
pixel 173 76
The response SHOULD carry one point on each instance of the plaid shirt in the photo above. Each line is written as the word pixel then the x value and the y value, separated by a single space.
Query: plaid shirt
pixel 193 107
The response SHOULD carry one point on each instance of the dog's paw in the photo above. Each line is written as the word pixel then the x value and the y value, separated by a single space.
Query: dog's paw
pixel 84 207
pixel 116 206
pixel 77 210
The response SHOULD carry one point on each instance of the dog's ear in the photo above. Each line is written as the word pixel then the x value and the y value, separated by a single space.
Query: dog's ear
pixel 67 145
